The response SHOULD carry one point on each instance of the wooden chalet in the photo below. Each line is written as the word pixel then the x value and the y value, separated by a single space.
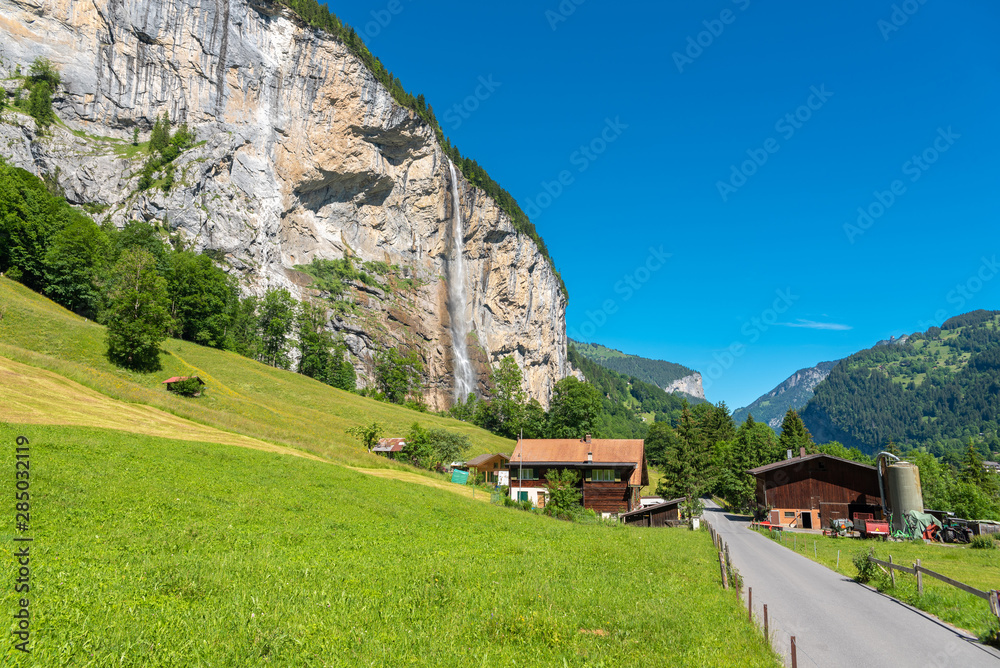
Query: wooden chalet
pixel 666 514
pixel 491 465
pixel 612 471
pixel 809 491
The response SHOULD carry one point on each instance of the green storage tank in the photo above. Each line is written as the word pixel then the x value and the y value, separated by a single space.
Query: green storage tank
pixel 903 482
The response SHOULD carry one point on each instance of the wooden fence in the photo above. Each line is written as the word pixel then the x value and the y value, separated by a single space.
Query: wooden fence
pixel 992 596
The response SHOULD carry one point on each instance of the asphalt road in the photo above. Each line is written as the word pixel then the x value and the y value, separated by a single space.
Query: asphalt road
pixel 837 622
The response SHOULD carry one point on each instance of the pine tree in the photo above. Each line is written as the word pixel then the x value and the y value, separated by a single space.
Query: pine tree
pixel 794 434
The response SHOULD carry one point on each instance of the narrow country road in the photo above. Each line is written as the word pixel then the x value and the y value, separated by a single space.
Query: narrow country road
pixel 837 622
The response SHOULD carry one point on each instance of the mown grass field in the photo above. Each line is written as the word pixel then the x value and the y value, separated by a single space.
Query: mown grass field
pixel 157 552
pixel 976 568
pixel 158 542
pixel 243 396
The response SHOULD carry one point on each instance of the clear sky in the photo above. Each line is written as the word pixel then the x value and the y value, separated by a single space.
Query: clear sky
pixel 714 157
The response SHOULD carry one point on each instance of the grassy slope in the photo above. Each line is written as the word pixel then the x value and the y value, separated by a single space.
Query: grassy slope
pixel 976 568
pixel 243 396
pixel 156 552
pixel 220 555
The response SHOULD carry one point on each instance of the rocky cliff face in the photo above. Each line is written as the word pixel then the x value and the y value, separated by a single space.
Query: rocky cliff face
pixel 689 385
pixel 302 155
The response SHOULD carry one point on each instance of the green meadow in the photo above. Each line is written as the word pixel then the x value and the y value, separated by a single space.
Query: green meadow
pixel 183 532
pixel 157 552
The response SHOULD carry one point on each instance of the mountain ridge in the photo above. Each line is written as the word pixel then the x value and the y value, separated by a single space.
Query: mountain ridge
pixel 793 392
pixel 668 376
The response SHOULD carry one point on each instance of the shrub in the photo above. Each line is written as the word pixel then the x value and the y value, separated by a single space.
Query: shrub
pixel 191 387
pixel 983 543
pixel 867 570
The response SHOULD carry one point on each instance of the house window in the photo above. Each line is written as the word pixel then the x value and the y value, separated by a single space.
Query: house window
pixel 789 513
pixel 603 475
pixel 495 465
pixel 522 496
pixel 523 474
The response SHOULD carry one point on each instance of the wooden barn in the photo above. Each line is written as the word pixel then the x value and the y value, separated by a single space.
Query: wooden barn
pixel 612 471
pixel 666 514
pixel 809 491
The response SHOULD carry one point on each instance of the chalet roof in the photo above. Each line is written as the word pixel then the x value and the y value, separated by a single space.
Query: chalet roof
pixel 573 452
pixel 665 504
pixel 482 459
pixel 795 461
pixel 390 445
pixel 177 379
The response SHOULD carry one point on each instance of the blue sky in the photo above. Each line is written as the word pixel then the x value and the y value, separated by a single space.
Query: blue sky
pixel 748 188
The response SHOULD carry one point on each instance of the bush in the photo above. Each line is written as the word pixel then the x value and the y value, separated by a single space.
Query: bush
pixel 867 570
pixel 983 543
pixel 191 387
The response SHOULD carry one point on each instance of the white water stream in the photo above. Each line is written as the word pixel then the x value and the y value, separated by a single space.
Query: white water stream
pixel 464 381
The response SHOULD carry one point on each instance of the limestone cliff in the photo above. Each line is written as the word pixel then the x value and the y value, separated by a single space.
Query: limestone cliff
pixel 690 385
pixel 302 155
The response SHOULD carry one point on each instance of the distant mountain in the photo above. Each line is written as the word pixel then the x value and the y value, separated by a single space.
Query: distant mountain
pixel 933 390
pixel 668 376
pixel 794 392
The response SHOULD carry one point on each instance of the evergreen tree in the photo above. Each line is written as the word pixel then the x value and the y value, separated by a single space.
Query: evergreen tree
pixel 794 434
pixel 40 104
pixel 397 375
pixel 686 469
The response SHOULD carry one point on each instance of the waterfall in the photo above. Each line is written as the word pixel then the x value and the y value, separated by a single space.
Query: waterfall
pixel 464 381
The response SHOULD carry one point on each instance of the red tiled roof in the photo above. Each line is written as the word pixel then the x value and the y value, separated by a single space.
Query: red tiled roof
pixel 574 451
pixel 390 445
pixel 177 379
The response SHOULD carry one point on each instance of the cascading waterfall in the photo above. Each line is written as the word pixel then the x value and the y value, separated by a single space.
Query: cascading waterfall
pixel 456 299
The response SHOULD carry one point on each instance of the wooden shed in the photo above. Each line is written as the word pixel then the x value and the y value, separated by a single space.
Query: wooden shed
pixel 666 514
pixel 809 491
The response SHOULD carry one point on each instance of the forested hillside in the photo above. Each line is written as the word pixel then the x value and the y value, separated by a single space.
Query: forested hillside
pixel 936 390
pixel 629 404
pixel 657 372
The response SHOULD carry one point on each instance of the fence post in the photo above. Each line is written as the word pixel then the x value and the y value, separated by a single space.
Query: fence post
pixel 766 634
pixel 722 569
pixel 892 573
pixel 750 604
pixel 795 663
pixel 920 578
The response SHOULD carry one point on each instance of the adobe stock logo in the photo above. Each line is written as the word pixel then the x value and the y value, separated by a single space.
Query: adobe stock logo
pixel 627 287
pixel 914 168
pixel 787 126
pixel 751 331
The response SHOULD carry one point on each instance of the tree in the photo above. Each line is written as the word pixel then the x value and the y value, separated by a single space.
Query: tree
pixel 448 446
pixel 138 315
pixel 564 495
pixel 661 442
pixel 74 265
pixel 685 471
pixel 369 434
pixel 42 70
pixel 754 445
pixel 159 138
pixel 396 375
pixel 534 420
pixel 201 299
pixel 574 408
pixel 501 414
pixel 794 434
pixel 314 342
pixel 40 104
pixel 275 320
